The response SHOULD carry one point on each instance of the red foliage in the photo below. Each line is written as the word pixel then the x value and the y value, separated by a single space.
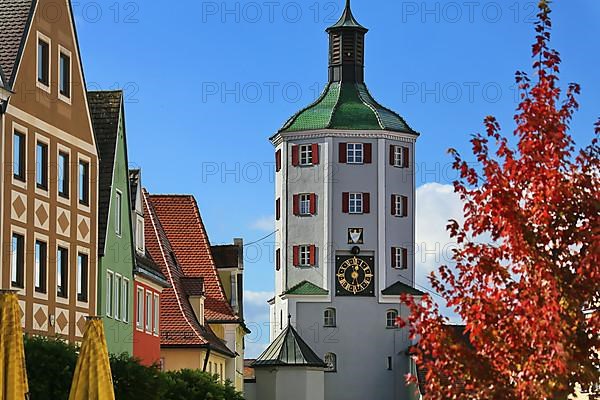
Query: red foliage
pixel 528 262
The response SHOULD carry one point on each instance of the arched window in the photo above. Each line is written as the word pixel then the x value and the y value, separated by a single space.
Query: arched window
pixel 391 317
pixel 331 362
pixel 329 320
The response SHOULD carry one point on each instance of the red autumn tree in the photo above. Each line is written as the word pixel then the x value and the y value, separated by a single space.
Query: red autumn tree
pixel 528 259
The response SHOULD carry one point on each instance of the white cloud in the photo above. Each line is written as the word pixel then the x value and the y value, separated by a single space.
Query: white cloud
pixel 256 314
pixel 266 224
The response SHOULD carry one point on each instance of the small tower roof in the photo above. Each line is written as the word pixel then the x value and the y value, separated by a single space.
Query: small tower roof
pixel 289 350
pixel 347 20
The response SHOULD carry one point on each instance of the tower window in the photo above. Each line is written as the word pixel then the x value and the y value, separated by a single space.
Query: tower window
pixel 399 205
pixel 399 156
pixel 329 318
pixel 355 153
pixel 305 255
pixel 306 155
pixel 304 204
pixel 400 258
pixel 330 362
pixel 356 203
pixel 391 319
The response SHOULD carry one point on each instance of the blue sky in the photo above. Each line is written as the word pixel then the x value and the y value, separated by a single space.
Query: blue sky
pixel 208 82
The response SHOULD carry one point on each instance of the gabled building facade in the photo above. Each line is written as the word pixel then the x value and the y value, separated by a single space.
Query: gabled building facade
pixel 49 164
pixel 345 220
pixel 115 236
pixel 149 283
pixel 182 224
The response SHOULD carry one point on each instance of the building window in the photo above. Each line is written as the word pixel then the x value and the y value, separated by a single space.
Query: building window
pixel 62 273
pixel 118 212
pixel 43 59
pixel 125 300
pixel 139 318
pixel 18 261
pixel 148 312
pixel 305 204
pixel 139 228
pixel 391 319
pixel 330 362
pixel 389 363
pixel 41 173
pixel 305 256
pixel 109 293
pixel 156 313
pixel 277 259
pixel 65 74
pixel 355 205
pixel 82 277
pixel 399 205
pixel 329 318
pixel 117 296
pixel 399 156
pixel 41 263
pixel 19 156
pixel 355 153
pixel 63 174
pixel 399 258
pixel 306 156
pixel 84 183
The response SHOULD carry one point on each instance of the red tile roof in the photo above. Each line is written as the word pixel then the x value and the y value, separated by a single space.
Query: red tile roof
pixel 182 223
pixel 178 323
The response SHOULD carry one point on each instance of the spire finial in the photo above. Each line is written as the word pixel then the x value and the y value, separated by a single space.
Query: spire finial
pixel 289 319
pixel 347 4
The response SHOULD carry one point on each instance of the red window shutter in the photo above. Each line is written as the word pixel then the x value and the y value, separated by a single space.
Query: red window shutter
pixel 315 154
pixel 368 148
pixel 366 203
pixel 393 204
pixel 278 161
pixel 392 155
pixel 278 209
pixel 405 156
pixel 394 257
pixel 404 206
pixel 343 153
pixel 313 254
pixel 296 260
pixel 295 156
pixel 345 202
pixel 313 204
pixel 404 258
pixel 278 259
pixel 296 204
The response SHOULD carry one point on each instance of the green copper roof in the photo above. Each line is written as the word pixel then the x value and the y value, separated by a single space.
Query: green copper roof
pixel 306 288
pixel 347 20
pixel 346 106
pixel 399 288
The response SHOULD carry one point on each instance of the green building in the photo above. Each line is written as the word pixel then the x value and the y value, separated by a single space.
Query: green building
pixel 115 238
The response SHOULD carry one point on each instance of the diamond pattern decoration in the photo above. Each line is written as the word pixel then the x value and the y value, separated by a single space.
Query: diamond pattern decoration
pixel 63 221
pixel 84 229
pixel 41 214
pixel 81 324
pixel 40 317
pixel 62 321
pixel 19 206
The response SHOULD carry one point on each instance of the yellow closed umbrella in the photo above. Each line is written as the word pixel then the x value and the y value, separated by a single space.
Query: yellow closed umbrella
pixel 13 375
pixel 93 379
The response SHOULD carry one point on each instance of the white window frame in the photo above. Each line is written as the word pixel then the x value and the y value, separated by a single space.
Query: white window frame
pixel 400 212
pixel 390 319
pixel 148 311
pixel 110 302
pixel 305 155
pixel 304 203
pixel 126 285
pixel 156 314
pixel 355 153
pixel 62 50
pixel 117 295
pixel 41 37
pixel 66 198
pixel 85 160
pixel 118 213
pixel 330 318
pixel 330 362
pixel 399 259
pixel 139 322
pixel 398 156
pixel 140 239
pixel 355 203
pixel 304 255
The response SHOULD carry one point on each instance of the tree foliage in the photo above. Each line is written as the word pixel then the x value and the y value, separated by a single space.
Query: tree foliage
pixel 522 294
pixel 51 365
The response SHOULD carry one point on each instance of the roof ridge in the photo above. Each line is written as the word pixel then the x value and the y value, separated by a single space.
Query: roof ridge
pixel 388 109
pixel 294 117
pixel 336 106
pixel 356 86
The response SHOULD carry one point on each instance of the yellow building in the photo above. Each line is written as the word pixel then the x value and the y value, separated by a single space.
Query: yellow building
pixel 201 327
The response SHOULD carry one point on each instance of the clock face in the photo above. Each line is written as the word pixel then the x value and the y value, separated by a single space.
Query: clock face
pixel 355 276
